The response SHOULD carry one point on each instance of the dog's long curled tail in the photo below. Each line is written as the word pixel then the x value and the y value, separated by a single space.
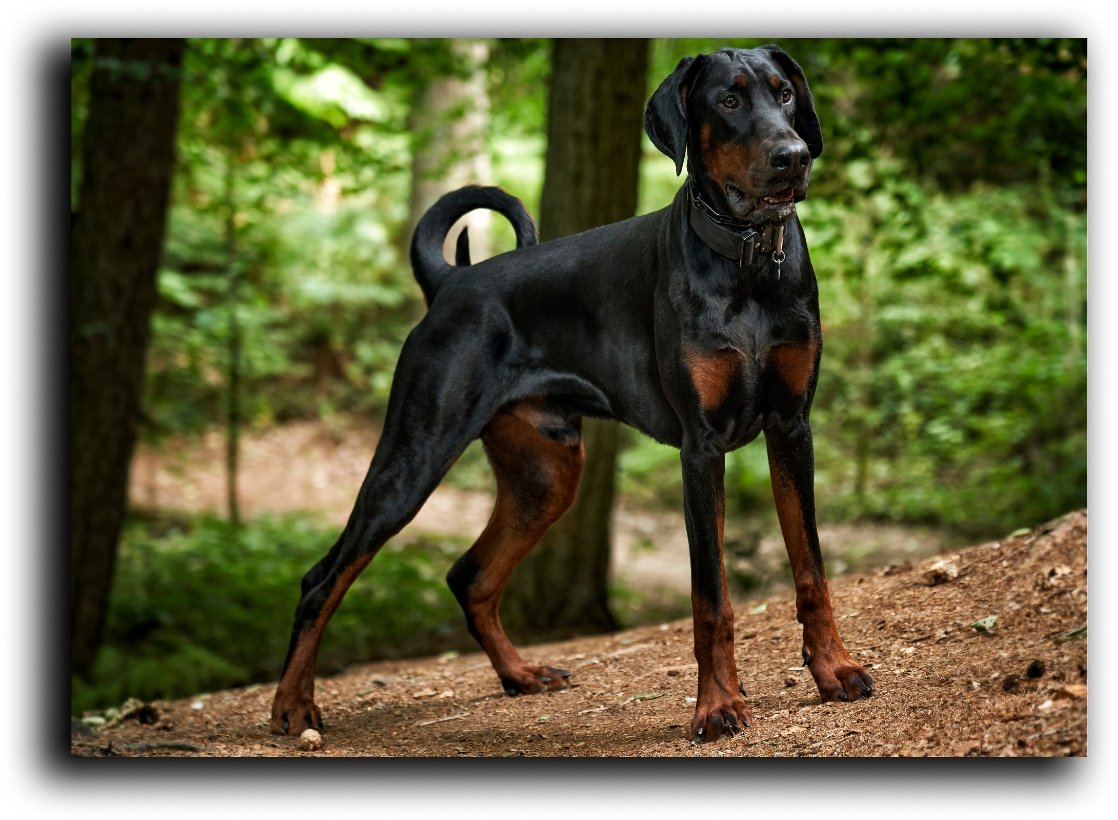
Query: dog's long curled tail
pixel 427 260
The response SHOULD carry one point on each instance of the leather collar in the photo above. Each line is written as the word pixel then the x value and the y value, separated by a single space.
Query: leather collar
pixel 738 240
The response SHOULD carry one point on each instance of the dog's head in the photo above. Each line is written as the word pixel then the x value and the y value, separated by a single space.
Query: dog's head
pixel 748 122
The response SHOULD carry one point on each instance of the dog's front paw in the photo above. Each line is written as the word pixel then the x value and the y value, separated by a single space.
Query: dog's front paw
pixel 533 680
pixel 838 677
pixel 716 717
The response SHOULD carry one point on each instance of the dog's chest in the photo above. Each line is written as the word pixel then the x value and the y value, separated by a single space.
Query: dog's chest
pixel 750 363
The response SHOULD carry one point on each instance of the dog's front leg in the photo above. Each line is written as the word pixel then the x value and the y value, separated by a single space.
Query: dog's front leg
pixel 791 469
pixel 720 708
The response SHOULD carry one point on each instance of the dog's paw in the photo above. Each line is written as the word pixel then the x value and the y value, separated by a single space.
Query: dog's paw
pixel 726 717
pixel 533 680
pixel 838 677
pixel 293 716
pixel 848 682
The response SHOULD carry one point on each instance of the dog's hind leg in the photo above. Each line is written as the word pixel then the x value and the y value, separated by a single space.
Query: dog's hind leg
pixel 537 457
pixel 385 506
pixel 440 402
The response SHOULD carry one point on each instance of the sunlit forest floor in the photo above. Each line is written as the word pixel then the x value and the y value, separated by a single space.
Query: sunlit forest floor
pixel 318 466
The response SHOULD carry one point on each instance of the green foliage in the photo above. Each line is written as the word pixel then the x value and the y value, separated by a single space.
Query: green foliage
pixel 961 110
pixel 518 70
pixel 279 152
pixel 199 605
pixel 955 369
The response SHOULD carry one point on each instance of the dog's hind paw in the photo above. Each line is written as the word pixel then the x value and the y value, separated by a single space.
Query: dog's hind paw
pixel 295 718
pixel 533 680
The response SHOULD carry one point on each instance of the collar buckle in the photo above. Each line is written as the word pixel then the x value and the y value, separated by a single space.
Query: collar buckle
pixel 747 248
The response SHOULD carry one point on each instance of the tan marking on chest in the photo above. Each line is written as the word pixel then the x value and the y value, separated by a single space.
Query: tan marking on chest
pixel 712 374
pixel 795 364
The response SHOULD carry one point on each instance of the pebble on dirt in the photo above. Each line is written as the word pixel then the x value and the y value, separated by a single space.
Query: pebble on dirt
pixel 310 740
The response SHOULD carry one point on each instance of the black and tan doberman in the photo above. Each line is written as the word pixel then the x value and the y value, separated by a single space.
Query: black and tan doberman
pixel 698 325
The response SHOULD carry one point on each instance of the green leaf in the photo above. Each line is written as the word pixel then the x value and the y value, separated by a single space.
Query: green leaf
pixel 985 624
pixel 1075 635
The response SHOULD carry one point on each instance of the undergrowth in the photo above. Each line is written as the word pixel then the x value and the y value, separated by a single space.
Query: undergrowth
pixel 199 605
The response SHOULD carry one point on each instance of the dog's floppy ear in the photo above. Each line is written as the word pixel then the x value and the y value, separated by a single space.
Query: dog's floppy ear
pixel 665 118
pixel 807 121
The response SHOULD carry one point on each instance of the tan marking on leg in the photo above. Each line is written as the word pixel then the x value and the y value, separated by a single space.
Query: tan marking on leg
pixel 712 375
pixel 719 693
pixel 836 674
pixel 295 692
pixel 537 481
pixel 795 364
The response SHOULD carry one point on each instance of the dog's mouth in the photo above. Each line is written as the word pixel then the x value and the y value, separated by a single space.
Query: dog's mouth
pixel 775 206
pixel 779 197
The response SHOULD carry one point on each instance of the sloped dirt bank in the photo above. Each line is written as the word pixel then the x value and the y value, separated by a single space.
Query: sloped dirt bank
pixel 945 688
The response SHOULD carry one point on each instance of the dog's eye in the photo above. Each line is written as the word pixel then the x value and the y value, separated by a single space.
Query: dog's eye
pixel 730 102
pixel 786 95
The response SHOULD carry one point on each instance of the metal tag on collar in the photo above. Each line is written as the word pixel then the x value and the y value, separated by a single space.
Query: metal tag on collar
pixel 778 254
pixel 749 241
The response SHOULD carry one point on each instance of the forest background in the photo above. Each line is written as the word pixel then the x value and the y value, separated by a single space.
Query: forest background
pixel 947 220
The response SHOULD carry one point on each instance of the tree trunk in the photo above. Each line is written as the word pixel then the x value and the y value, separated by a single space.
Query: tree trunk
pixel 115 246
pixel 233 349
pixel 593 153
pixel 864 356
pixel 448 120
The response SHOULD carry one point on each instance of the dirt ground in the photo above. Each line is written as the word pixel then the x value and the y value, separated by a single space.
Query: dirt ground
pixel 946 688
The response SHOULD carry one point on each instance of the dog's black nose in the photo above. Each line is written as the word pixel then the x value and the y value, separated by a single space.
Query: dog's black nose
pixel 789 155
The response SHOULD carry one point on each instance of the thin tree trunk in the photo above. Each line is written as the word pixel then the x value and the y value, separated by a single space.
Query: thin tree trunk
pixel 593 153
pixel 864 376
pixel 1072 295
pixel 233 352
pixel 448 121
pixel 115 245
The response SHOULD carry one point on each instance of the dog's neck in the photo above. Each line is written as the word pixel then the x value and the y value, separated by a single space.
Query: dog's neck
pixel 742 242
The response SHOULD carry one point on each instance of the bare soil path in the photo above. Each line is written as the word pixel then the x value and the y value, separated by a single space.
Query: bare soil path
pixel 945 688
